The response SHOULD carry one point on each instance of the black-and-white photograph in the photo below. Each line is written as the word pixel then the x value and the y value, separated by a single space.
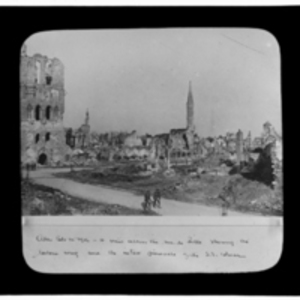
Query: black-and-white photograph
pixel 151 123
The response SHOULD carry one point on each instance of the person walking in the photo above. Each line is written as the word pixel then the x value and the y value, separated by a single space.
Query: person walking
pixel 147 201
pixel 226 195
pixel 157 197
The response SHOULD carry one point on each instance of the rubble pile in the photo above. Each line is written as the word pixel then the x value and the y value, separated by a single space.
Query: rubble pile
pixel 243 193
pixel 251 172
pixel 43 201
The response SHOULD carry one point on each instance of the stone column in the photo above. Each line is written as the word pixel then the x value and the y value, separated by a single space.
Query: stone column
pixel 249 140
pixel 239 148
pixel 111 155
pixel 42 114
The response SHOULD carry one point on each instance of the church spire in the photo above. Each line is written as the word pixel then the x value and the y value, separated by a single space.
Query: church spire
pixel 87 117
pixel 190 108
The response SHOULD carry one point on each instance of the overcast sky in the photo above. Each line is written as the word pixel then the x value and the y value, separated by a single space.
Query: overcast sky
pixel 138 79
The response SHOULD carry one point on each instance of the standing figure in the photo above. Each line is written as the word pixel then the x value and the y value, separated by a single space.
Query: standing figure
pixel 147 202
pixel 225 206
pixel 225 196
pixel 156 198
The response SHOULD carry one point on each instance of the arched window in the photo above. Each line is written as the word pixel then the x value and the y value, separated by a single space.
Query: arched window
pixel 48 112
pixel 38 112
pixel 37 138
pixel 38 71
pixel 47 136
pixel 48 79
pixel 48 68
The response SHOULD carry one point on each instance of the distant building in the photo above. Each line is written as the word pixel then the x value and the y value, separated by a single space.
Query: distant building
pixel 179 142
pixel 42 97
pixel 176 143
pixel 82 134
pixel 183 139
pixel 133 140
pixel 70 137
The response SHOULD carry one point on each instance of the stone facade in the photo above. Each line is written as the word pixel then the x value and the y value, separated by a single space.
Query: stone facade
pixel 42 97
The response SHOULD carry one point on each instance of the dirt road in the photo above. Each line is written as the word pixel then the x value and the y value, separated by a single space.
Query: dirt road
pixel 125 198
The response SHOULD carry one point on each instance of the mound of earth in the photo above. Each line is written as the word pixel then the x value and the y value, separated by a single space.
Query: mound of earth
pixel 241 192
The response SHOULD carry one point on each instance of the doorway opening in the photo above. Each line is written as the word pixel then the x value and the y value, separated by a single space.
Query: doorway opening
pixel 42 159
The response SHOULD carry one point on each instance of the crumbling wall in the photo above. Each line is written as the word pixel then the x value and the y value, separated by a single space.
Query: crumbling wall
pixel 55 147
pixel 57 73
pixel 42 109
pixel 133 140
pixel 277 161
pixel 27 71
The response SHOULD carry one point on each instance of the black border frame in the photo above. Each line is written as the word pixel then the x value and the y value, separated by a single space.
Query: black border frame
pixel 18 23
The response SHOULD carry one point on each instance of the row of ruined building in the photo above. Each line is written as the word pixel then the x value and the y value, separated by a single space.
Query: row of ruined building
pixel 46 141
pixel 175 146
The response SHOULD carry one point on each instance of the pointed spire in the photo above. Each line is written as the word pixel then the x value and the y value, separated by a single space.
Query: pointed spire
pixel 190 88
pixel 190 108
pixel 190 94
pixel 249 135
pixel 87 117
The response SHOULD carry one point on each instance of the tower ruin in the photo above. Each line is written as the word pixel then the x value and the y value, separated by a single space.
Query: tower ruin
pixel 42 97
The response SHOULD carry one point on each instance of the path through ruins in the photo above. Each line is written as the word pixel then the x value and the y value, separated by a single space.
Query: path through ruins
pixel 103 194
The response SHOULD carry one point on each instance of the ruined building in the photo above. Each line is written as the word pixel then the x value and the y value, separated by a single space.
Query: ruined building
pixel 182 140
pixel 42 97
pixel 82 134
pixel 81 137
pixel 174 145
pixel 133 140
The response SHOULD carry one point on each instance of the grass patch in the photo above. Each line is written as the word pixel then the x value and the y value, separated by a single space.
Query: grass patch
pixel 39 200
